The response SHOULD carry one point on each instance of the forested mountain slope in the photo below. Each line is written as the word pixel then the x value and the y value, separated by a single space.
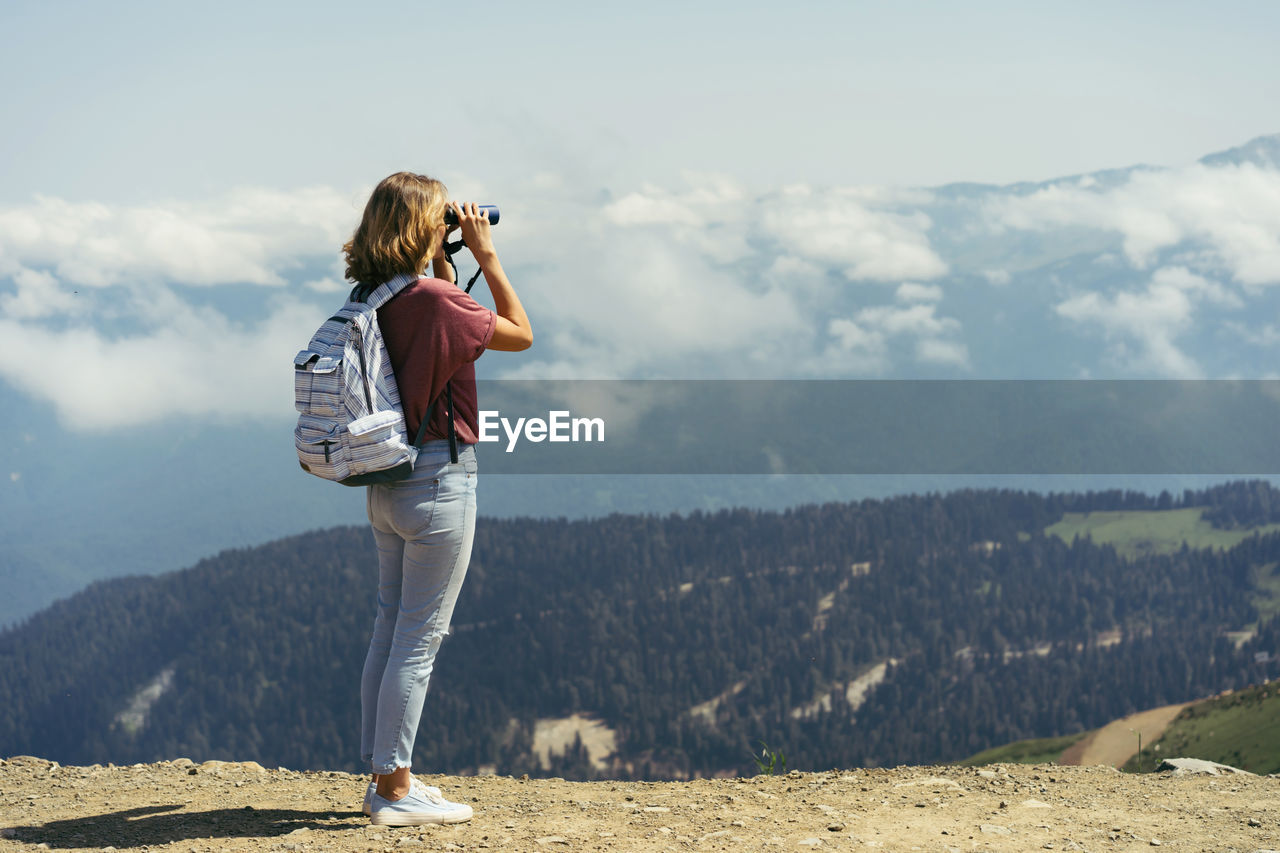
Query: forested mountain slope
pixel 913 630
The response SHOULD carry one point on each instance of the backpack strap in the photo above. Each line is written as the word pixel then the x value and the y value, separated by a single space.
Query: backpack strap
pixel 426 419
pixel 378 296
pixel 375 299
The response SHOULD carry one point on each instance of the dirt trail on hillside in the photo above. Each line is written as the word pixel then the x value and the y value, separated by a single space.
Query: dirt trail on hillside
pixel 219 808
pixel 1115 743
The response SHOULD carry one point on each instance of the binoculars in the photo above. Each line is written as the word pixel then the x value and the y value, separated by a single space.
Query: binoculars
pixel 451 219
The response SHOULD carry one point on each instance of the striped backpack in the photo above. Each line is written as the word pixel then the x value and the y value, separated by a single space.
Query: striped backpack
pixel 351 428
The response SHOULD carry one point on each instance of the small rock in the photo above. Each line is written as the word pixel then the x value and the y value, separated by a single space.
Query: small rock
pixel 551 839
pixel 835 827
pixel 656 809
pixel 1182 766
pixel 1004 804
pixel 992 829
pixel 810 842
pixel 987 774
pixel 1253 821
pixel 1155 842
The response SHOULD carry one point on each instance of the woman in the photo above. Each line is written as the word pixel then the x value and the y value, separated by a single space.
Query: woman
pixel 423 526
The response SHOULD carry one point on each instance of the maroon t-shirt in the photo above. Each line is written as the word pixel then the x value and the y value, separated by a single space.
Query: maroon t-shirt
pixel 434 332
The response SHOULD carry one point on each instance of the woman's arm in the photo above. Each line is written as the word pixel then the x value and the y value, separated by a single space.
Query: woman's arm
pixel 441 268
pixel 512 331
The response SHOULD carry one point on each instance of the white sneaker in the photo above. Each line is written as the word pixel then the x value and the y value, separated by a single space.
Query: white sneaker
pixel 423 804
pixel 367 807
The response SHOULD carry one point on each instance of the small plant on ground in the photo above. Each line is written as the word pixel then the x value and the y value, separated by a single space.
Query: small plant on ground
pixel 769 761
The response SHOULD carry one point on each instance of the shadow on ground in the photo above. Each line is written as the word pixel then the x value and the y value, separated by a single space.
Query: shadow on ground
pixel 163 824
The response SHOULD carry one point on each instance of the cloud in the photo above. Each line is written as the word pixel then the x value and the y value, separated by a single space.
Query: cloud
pixel 246 236
pixel 1267 336
pixel 118 306
pixel 1233 211
pixel 707 279
pixel 38 294
pixel 1142 327
pixel 909 292
pixel 840 229
pixel 862 342
pixel 936 351
pixel 196 364
pixel 916 320
pixel 631 303
pixel 850 229
pixel 857 348
pixel 100 319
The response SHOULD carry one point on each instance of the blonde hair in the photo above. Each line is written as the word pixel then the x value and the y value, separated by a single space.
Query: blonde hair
pixel 397 233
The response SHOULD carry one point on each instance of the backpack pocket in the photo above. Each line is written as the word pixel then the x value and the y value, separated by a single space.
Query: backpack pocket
pixel 376 442
pixel 317 383
pixel 320 447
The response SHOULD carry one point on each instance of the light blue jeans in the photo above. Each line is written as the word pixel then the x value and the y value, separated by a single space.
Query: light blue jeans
pixel 423 527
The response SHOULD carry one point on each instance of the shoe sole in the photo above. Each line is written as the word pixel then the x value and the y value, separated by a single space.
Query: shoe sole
pixel 415 819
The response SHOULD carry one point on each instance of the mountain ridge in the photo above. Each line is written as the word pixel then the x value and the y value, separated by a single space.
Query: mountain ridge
pixel 635 622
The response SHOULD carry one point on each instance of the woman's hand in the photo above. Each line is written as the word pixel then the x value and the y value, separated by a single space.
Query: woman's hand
pixel 511 331
pixel 477 233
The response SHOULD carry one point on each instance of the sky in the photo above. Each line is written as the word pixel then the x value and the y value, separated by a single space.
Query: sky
pixel 689 190
pixel 134 101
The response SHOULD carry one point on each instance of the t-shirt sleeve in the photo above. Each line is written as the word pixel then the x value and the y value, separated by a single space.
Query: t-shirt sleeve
pixel 470 324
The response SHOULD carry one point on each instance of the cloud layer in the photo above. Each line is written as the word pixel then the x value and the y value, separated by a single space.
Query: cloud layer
pixel 1230 212
pixel 111 313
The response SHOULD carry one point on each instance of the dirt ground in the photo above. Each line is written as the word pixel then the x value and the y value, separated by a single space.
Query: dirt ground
pixel 214 807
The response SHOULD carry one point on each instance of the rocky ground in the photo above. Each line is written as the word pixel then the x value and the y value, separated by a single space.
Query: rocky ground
pixel 215 807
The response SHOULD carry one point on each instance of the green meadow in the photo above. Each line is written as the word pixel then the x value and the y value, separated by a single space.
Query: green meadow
pixel 1241 729
pixel 1136 533
pixel 1043 750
